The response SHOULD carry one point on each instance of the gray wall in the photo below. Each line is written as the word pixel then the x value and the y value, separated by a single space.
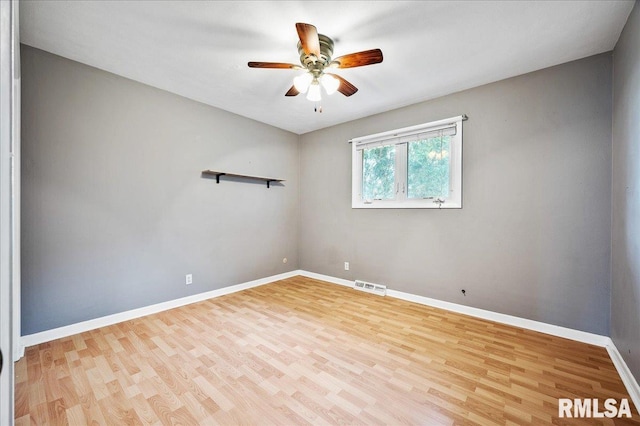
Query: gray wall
pixel 533 237
pixel 115 211
pixel 625 242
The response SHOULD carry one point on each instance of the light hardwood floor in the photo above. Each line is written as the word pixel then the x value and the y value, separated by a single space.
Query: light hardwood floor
pixel 301 351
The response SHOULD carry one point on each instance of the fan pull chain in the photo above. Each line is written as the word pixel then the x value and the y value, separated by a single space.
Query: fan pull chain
pixel 317 108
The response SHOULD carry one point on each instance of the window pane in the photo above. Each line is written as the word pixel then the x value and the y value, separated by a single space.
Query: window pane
pixel 378 173
pixel 428 163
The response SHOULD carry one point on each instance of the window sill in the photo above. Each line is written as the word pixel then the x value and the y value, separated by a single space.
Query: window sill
pixel 406 205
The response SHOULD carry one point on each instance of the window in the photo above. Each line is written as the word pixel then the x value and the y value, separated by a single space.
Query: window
pixel 413 167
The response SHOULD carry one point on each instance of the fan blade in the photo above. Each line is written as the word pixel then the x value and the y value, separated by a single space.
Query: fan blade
pixel 345 87
pixel 309 39
pixel 359 59
pixel 292 92
pixel 278 65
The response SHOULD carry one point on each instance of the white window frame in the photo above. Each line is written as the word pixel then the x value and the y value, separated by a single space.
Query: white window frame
pixel 400 138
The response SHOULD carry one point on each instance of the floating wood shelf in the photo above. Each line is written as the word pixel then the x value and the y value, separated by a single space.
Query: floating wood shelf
pixel 218 174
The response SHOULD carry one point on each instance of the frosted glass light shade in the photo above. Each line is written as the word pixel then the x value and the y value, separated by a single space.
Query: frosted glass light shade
pixel 330 83
pixel 302 82
pixel 314 94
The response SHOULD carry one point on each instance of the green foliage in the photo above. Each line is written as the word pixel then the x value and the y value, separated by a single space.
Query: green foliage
pixel 378 173
pixel 428 167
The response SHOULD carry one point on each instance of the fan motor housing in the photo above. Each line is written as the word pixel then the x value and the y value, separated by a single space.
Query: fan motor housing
pixel 326 52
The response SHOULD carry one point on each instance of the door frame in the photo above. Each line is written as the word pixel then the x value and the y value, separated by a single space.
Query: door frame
pixel 9 204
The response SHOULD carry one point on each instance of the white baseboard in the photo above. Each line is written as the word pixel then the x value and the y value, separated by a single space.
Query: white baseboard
pixel 629 381
pixel 594 339
pixel 327 278
pixel 81 327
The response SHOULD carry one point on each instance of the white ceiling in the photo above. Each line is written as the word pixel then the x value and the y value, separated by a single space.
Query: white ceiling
pixel 200 49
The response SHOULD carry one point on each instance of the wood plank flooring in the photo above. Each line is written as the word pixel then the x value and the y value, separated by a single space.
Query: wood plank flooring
pixel 301 351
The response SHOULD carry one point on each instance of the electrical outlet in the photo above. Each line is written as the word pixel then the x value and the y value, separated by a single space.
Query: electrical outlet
pixel 346 266
pixel 188 279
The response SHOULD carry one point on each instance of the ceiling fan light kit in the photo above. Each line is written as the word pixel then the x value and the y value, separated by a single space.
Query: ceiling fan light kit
pixel 302 82
pixel 307 82
pixel 314 94
pixel 330 83
pixel 316 52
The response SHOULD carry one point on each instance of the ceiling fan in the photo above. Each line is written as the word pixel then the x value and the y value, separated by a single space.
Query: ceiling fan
pixel 316 52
